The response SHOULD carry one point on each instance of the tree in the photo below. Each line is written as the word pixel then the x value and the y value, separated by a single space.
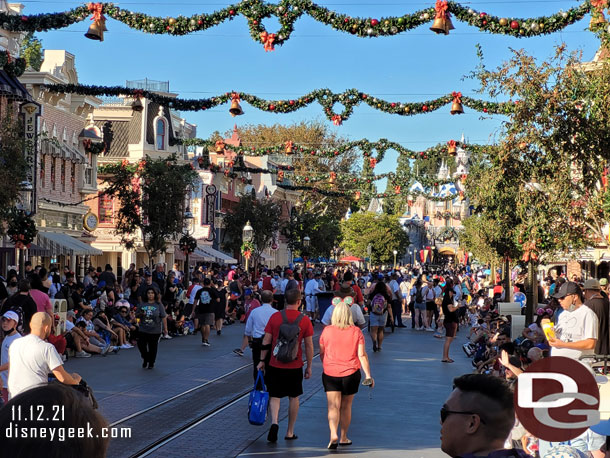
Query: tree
pixel 151 196
pixel 12 165
pixel 322 229
pixel 264 217
pixel 383 232
pixel 31 51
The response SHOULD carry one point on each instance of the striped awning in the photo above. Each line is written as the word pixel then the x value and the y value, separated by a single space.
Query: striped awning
pixel 64 245
pixel 218 256
pixel 11 86
pixel 195 256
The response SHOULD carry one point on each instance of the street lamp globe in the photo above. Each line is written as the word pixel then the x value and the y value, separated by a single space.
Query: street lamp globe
pixel 248 232
pixel 395 252
pixel 306 241
pixel 189 220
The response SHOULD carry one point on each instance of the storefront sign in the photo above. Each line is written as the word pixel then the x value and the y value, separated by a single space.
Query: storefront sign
pixel 30 112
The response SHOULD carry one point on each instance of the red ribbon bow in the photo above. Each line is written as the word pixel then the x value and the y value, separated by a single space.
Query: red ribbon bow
pixel 96 9
pixel 397 189
pixel 452 144
pixel 337 120
pixel 268 39
pixel 530 252
pixel 457 97
pixel 442 8
pixel 333 176
pixel 289 145
pixel 235 97
pixel 220 144
pixel 373 162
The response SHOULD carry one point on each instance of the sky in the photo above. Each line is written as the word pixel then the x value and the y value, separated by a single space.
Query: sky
pixel 416 65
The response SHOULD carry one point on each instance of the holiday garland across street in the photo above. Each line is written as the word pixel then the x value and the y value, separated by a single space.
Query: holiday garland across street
pixel 288 11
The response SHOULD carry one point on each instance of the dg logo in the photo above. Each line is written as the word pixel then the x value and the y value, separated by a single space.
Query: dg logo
pixel 557 399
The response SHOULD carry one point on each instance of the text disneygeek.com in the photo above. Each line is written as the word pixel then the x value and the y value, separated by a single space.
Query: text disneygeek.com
pixel 60 434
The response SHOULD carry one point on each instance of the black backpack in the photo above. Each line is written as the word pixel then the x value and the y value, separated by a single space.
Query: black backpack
pixel 287 345
pixel 419 298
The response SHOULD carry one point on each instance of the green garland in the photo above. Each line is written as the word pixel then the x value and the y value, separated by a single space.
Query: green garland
pixel 325 97
pixel 288 11
pixel 13 66
pixel 363 193
pixel 367 147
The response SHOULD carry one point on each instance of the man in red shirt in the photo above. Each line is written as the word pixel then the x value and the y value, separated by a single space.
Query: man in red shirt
pixel 286 379
pixel 348 277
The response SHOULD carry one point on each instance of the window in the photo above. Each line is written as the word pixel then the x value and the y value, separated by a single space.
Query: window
pixel 73 177
pixel 160 128
pixel 63 175
pixel 89 170
pixel 53 171
pixel 105 209
pixel 43 164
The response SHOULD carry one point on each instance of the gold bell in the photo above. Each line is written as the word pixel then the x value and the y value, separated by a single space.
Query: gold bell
pixel 448 26
pixel 596 20
pixel 96 30
pixel 220 147
pixel 439 26
pixel 137 105
pixel 457 108
pixel 235 109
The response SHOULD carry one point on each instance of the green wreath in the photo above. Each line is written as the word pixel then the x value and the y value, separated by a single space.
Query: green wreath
pixel 21 229
pixel 247 248
pixel 188 244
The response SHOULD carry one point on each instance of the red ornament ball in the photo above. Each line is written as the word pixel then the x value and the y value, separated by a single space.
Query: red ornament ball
pixel 484 110
pixel 255 22
pixel 306 180
pixel 514 25
pixel 199 22
pixel 374 22
pixel 421 154
pixel 291 102
pixel 24 18
pixel 272 107
pixel 484 22
pixel 232 12
pixel 483 14
pixel 336 153
pixel 424 108
pixel 363 96
pixel 346 20
pixel 393 104
pixel 167 27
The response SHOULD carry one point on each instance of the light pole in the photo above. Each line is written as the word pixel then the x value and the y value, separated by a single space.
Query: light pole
pixel 247 235
pixel 369 251
pixel 306 243
pixel 188 227
pixel 395 253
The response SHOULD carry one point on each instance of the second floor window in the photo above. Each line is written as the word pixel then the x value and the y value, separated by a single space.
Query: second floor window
pixel 105 209
pixel 160 134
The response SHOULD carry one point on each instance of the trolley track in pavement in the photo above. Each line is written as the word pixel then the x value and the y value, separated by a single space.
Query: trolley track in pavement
pixel 165 421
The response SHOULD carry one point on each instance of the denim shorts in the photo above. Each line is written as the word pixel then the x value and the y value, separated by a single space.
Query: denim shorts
pixel 420 305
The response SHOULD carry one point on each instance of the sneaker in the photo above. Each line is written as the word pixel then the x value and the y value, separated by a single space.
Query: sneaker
pixel 115 350
pixel 185 331
pixel 238 352
pixel 166 337
pixel 205 344
pixel 106 349
pixel 125 346
pixel 82 354
pixel 429 329
pixel 218 332
pixel 421 328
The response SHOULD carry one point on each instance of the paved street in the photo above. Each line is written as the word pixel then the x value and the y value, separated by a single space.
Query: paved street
pixel 398 418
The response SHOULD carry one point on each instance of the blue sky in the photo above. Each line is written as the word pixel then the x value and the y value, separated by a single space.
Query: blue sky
pixel 413 66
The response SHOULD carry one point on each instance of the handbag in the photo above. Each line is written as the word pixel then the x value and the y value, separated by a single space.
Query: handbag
pixel 259 400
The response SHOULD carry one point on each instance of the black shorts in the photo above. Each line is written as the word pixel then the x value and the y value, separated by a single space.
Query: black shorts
pixel 347 385
pixel 431 306
pixel 450 329
pixel 284 382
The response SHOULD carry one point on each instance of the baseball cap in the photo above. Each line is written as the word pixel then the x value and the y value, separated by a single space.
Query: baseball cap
pixel 248 292
pixel 288 272
pixel 71 313
pixel 603 281
pixel 11 315
pixel 566 289
pixel 147 274
pixel 592 283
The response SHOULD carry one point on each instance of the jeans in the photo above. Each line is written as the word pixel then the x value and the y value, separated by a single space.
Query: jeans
pixel 148 344
pixel 396 311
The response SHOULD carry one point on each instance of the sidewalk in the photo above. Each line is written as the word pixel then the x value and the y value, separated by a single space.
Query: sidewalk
pixel 398 418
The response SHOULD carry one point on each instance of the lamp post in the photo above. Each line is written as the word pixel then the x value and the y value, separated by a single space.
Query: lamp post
pixel 369 251
pixel 306 243
pixel 395 253
pixel 188 228
pixel 247 235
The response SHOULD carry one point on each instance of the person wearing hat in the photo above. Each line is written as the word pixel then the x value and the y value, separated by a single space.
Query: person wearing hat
pixel 577 327
pixel 603 283
pixel 9 326
pixel 345 291
pixel 600 305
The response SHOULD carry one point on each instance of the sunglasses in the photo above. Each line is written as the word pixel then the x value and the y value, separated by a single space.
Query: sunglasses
pixel 446 412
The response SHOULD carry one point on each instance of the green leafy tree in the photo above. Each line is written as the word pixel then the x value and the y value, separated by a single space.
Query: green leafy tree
pixel 383 232
pixel 322 229
pixel 151 196
pixel 264 217
pixel 12 165
pixel 31 51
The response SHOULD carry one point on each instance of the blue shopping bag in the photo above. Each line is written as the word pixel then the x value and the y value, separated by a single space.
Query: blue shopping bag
pixel 259 400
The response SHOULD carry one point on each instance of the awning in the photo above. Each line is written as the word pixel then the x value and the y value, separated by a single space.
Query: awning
pixel 195 256
pixel 62 244
pixel 35 250
pixel 218 256
pixel 11 86
pixel 447 250
pixel 267 257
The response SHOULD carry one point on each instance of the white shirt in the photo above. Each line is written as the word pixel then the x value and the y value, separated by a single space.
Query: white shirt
pixel 194 293
pixel 394 288
pixel 312 288
pixel 357 315
pixel 258 319
pixel 438 291
pixel 31 360
pixel 69 326
pixel 574 326
pixel 6 343
pixel 283 282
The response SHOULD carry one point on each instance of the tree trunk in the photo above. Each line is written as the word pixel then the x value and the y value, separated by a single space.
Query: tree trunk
pixel 531 293
pixel 508 296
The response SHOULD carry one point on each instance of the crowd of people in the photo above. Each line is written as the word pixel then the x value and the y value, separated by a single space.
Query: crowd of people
pixel 280 308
